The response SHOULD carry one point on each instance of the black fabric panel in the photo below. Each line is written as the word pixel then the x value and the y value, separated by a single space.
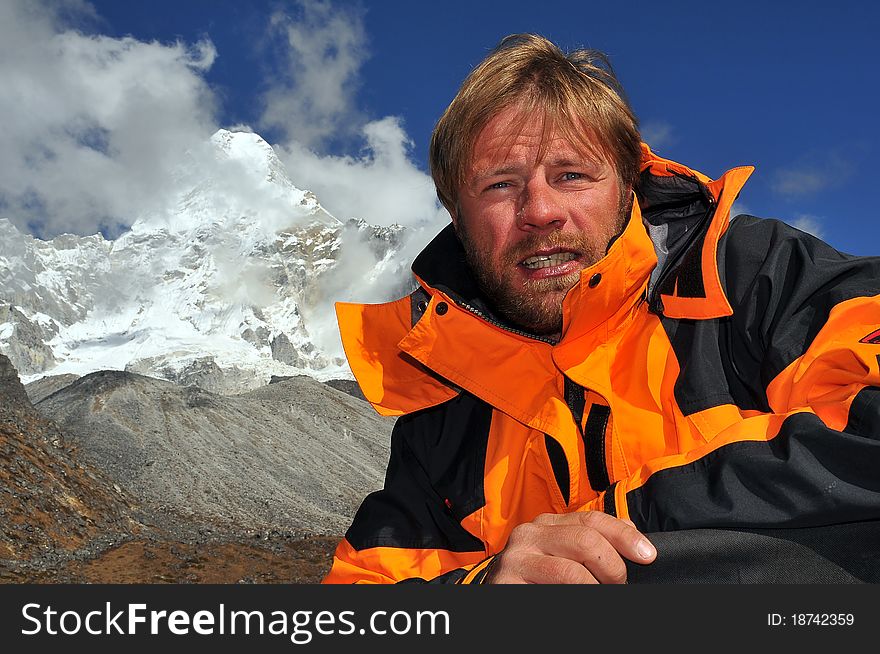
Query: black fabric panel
pixel 808 475
pixel 559 463
pixel 690 273
pixel 434 479
pixel 708 356
pixel 782 284
pixel 864 413
pixel 686 208
pixel 594 446
pixel 451 577
pixel 833 554
pixel 677 201
pixel 574 397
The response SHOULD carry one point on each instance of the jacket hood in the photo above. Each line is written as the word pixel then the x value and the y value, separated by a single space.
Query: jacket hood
pixel 407 355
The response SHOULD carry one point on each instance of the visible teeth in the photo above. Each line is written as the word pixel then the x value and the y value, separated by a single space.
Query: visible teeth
pixel 548 260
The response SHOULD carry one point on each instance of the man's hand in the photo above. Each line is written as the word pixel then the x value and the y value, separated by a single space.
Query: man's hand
pixel 571 548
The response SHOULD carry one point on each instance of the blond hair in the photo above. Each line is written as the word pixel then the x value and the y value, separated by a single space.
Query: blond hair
pixel 577 93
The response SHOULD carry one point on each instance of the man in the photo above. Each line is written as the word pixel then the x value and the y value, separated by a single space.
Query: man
pixel 596 351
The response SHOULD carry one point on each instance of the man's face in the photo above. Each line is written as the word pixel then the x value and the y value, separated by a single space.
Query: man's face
pixel 530 226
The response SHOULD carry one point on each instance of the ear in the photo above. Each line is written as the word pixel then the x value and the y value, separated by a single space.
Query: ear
pixel 455 213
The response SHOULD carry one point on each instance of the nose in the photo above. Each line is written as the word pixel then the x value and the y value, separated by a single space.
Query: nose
pixel 540 209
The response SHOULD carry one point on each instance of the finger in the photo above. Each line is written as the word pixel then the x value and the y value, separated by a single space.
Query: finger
pixel 551 518
pixel 542 569
pixel 588 546
pixel 623 536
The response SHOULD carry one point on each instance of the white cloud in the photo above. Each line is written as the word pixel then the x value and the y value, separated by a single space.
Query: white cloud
pixel 799 181
pixel 382 185
pixel 314 99
pixel 738 208
pixel 658 134
pixel 810 224
pixel 93 126
pixel 315 106
pixel 317 103
pixel 812 174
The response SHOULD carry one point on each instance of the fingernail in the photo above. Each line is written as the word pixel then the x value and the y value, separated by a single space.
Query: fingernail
pixel 645 549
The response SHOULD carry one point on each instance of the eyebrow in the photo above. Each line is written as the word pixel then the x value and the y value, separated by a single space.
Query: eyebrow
pixel 495 172
pixel 567 162
pixel 562 162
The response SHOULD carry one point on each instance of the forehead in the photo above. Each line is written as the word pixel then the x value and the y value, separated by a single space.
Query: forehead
pixel 519 135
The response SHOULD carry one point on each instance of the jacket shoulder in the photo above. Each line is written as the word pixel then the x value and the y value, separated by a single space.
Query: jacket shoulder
pixel 783 284
pixel 782 263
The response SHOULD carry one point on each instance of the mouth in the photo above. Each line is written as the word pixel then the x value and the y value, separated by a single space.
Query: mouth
pixel 550 260
pixel 551 263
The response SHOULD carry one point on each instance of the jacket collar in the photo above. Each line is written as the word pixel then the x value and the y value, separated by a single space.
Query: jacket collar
pixel 685 214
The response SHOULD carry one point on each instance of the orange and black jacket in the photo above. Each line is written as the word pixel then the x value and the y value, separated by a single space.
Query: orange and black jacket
pixel 712 373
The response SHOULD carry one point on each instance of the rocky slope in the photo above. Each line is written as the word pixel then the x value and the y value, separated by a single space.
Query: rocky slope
pixel 51 505
pixel 135 479
pixel 296 456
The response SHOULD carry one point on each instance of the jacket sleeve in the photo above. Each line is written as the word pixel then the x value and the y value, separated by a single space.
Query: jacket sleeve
pixel 806 334
pixel 411 529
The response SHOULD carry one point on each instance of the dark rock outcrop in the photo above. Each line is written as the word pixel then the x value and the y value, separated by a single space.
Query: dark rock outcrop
pixel 348 386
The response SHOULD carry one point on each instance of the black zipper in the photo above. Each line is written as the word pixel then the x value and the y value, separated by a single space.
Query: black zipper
pixel 500 325
pixel 594 446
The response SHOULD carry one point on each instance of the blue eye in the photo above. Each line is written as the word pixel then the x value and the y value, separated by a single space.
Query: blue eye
pixel 572 176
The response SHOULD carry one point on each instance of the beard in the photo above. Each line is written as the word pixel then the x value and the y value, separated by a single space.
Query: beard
pixel 534 305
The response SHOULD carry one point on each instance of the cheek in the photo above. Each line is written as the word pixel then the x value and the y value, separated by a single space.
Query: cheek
pixel 600 214
pixel 491 234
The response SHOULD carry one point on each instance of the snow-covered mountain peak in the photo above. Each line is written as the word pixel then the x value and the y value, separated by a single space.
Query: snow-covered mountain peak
pixel 236 182
pixel 230 283
pixel 252 150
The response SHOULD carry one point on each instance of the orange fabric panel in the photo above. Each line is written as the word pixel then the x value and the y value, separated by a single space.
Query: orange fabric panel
pixel 451 343
pixel 386 565
pixel 835 367
pixel 666 167
pixel 388 378
pixel 633 368
pixel 518 479
pixel 624 273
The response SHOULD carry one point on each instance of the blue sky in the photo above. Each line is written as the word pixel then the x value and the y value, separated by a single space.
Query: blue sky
pixel 790 87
